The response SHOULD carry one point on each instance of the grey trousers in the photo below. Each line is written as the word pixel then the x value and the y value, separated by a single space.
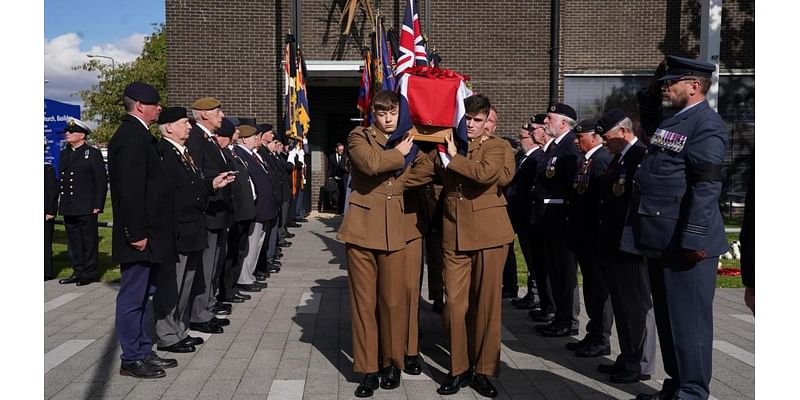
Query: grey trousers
pixel 204 287
pixel 171 299
pixel 255 239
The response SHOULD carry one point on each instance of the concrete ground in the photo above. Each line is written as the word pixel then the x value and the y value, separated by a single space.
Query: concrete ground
pixel 292 341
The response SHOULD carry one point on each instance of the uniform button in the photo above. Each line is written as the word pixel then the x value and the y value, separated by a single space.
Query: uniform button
pixel 72 173
pixel 62 192
pixel 658 212
pixel 647 151
pixel 70 193
pixel 198 199
pixel 388 197
pixel 390 183
pixel 71 179
pixel 639 166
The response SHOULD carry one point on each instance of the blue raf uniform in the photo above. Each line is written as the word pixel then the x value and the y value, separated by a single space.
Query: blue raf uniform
pixel 675 221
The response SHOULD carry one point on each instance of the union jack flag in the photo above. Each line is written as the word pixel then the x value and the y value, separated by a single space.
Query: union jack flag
pixel 412 47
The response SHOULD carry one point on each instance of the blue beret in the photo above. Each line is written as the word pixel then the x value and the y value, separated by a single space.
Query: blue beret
pixel 585 126
pixel 142 93
pixel 171 114
pixel 226 129
pixel 609 120
pixel 679 67
pixel 565 110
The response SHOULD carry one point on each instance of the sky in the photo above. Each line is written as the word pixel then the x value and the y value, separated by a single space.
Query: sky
pixel 75 28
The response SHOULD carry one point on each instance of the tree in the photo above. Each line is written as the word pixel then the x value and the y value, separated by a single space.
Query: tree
pixel 103 102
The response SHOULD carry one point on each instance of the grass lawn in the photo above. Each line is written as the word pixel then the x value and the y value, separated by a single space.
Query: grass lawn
pixel 61 261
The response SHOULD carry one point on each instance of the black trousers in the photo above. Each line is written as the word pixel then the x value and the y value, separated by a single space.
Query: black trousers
pixel 82 240
pixel 539 263
pixel 595 296
pixel 49 227
pixel 269 242
pixel 564 281
pixel 510 272
pixel 237 249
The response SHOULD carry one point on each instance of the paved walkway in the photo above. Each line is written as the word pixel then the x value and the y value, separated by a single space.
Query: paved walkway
pixel 292 341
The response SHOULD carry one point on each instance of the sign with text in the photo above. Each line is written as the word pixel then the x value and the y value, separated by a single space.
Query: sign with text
pixel 56 115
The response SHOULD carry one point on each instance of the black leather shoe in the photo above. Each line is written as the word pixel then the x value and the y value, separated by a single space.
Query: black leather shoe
pixel 660 395
pixel 179 347
pixel 275 262
pixel 70 280
pixel 628 377
pixel 294 225
pixel 284 243
pixel 289 235
pixel 482 385
pixel 220 310
pixel 242 296
pixel 205 327
pixel 558 331
pixel 155 361
pixel 220 321
pixel 454 383
pixel 577 345
pixel 298 220
pixel 223 306
pixel 610 368
pixel 526 303
pixel 541 316
pixel 438 306
pixel 368 385
pixel 274 269
pixel 84 282
pixel 412 365
pixel 510 293
pixel 593 350
pixel 391 378
pixel 233 299
pixel 140 369
pixel 194 341
pixel 248 288
pixel 260 285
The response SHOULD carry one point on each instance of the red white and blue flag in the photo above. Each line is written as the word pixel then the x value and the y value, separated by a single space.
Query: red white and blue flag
pixel 412 47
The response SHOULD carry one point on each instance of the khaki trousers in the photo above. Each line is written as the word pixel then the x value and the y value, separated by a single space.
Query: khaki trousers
pixel 472 311
pixel 413 275
pixel 378 306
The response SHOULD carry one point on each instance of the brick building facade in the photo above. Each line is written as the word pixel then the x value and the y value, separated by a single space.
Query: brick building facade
pixel 233 50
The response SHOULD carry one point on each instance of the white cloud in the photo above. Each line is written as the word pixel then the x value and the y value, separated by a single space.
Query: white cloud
pixel 62 53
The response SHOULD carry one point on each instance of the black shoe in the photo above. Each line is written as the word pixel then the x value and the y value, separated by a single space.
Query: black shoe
pixel 526 303
pixel 542 328
pixel 593 350
pixel 260 285
pixel 541 316
pixel 261 277
pixel 510 293
pixel 557 331
pixel 155 361
pixel 578 345
pixel 223 306
pixel 220 321
pixel 84 282
pixel 179 347
pixel 289 235
pixel 220 310
pixel 391 378
pixel 368 385
pixel 610 368
pixel 628 377
pixel 455 383
pixel 438 306
pixel 660 395
pixel 276 263
pixel 284 243
pixel 194 341
pixel 482 385
pixel 274 269
pixel 233 299
pixel 70 280
pixel 205 327
pixel 140 369
pixel 412 365
pixel 242 296
pixel 292 225
pixel 298 220
pixel 248 288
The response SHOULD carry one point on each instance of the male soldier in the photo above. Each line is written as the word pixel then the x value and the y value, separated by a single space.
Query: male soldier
pixel 208 157
pixel 625 274
pixel 582 211
pixel 555 178
pixel 143 235
pixel 376 256
pixel 267 264
pixel 675 221
pixel 174 281
pixel 83 195
pixel 473 255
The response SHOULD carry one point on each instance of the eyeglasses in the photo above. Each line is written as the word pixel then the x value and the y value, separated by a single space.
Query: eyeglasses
pixel 670 82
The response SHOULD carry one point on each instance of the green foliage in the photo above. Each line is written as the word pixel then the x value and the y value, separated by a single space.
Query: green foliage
pixel 103 102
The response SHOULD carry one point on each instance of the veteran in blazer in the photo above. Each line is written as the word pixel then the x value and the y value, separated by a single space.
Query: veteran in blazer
pixel 83 188
pixel 376 256
pixel 675 221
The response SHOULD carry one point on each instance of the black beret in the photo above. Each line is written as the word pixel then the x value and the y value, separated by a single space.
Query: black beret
pixel 609 120
pixel 171 114
pixel 563 109
pixel 77 126
pixel 281 137
pixel 263 128
pixel 679 67
pixel 538 119
pixel 234 121
pixel 142 93
pixel 226 129
pixel 585 126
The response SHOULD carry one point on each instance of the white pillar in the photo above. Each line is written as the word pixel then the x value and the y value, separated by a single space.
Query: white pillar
pixel 710 27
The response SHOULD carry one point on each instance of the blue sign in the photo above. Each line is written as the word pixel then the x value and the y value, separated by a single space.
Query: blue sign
pixel 56 115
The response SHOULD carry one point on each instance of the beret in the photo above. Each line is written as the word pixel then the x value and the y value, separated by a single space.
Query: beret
pixel 679 67
pixel 609 120
pixel 77 126
pixel 246 131
pixel 563 109
pixel 226 129
pixel 585 126
pixel 281 138
pixel 206 103
pixel 538 119
pixel 263 128
pixel 142 93
pixel 171 114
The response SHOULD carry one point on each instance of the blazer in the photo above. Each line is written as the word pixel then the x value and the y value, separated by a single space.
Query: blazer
pixel 244 204
pixel 266 206
pixel 83 180
pixel 583 200
pixel 50 190
pixel 141 195
pixel 553 184
pixel 518 192
pixel 209 159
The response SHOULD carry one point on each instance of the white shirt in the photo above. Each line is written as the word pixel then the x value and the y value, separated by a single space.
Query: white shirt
pixel 628 146
pixel 252 185
pixel 142 121
pixel 547 145
pixel 180 147
pixel 592 151
pixel 558 139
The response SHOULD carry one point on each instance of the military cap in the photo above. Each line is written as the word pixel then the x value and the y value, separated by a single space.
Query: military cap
pixel 528 126
pixel 263 128
pixel 585 126
pixel 206 103
pixel 538 119
pixel 142 93
pixel 235 121
pixel 280 137
pixel 171 114
pixel 77 126
pixel 679 67
pixel 247 131
pixel 226 129
pixel 609 120
pixel 563 109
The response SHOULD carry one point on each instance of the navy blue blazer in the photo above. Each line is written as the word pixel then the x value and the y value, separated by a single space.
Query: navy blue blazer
pixel 209 159
pixel 518 190
pixel 562 160
pixel 583 201
pixel 266 207
pixel 83 180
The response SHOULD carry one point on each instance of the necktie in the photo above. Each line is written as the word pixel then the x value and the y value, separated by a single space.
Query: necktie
pixel 188 158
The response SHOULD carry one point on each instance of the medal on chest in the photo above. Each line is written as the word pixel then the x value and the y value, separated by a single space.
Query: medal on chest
pixel 551 168
pixel 582 178
pixel 619 186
